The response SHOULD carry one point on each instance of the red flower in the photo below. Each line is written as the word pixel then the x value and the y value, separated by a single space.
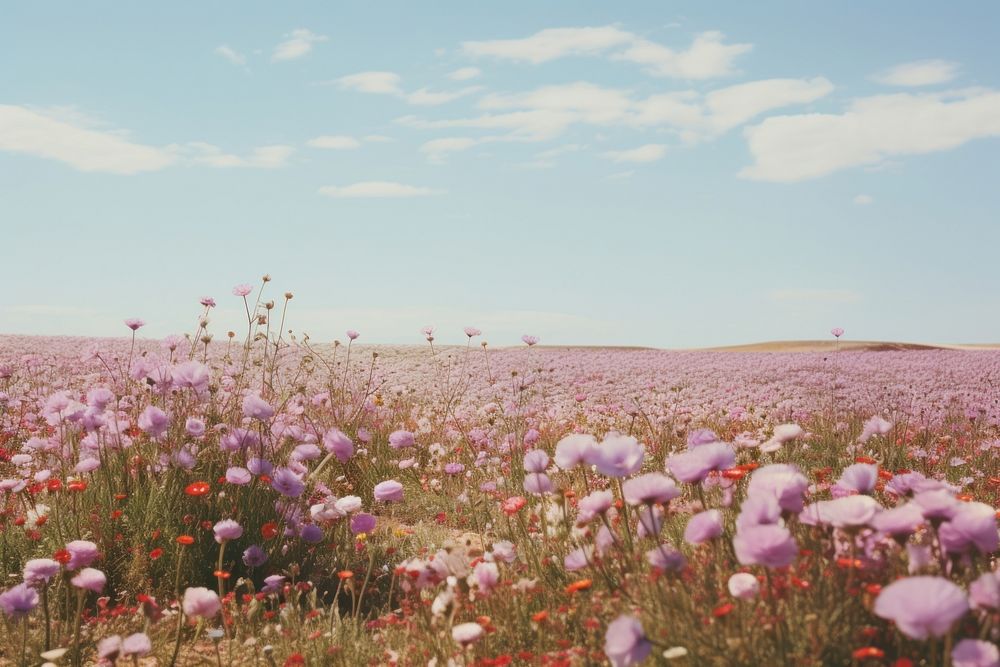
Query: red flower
pixel 269 530
pixel 196 489
pixel 185 540
pixel 155 553
pixel 868 652
pixel 722 610
pixel 62 556
pixel 513 505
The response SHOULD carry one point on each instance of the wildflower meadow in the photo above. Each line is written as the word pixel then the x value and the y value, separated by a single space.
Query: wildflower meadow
pixel 267 497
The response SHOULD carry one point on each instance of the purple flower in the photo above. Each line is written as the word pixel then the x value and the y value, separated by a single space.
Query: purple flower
pixel 485 576
pixel 287 483
pixel 693 465
pixel 389 491
pixel 109 648
pixel 257 408
pixel 200 602
pixel 529 340
pixel 593 505
pixel 666 558
pixel 352 334
pixel 273 583
pixel 362 523
pixel 973 526
pixel 743 585
pixel 701 436
pixel 536 461
pixel 768 545
pixel 401 439
pixel 899 522
pixel 984 592
pixel 703 527
pixel 227 530
pixel 454 468
pixel 860 477
pixel 782 481
pixel 90 579
pixel 137 644
pixel 258 466
pixel 922 606
pixel 311 533
pixel 758 510
pixel 254 556
pixel 81 554
pixel 875 426
pixel 975 653
pixel 538 483
pixel 578 559
pixel 618 455
pixel 782 433
pixel 937 504
pixel 19 600
pixel 574 450
pixel 338 444
pixel 652 487
pixel 238 476
pixel 846 512
pixel 40 571
pixel 154 421
pixel 625 642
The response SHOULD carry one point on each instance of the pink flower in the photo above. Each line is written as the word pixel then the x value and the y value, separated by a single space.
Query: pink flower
pixel 466 633
pixel 922 606
pixel 200 602
pixel 529 340
pixel 242 290
pixel 134 323
pixel 388 491
pixel 625 642
pixel 90 579
pixel 472 332
pixel 352 334
pixel 256 407
pixel 837 332
pixel 743 585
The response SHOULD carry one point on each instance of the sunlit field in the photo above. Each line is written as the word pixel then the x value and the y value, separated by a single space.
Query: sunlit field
pixel 263 497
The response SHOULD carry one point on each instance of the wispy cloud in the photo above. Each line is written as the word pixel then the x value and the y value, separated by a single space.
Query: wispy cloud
pixel 376 190
pixel 297 44
pixel 262 157
pixel 389 83
pixel 863 200
pixel 31 132
pixel 707 57
pixel 919 73
pixel 465 73
pixel 230 54
pixel 646 153
pixel 338 142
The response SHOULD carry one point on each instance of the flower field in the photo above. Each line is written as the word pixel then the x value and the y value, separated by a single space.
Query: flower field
pixel 270 499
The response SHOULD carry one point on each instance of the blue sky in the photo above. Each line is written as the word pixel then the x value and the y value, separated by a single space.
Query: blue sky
pixel 649 173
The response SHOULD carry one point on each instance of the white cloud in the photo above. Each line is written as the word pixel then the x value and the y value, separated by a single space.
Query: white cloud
pixel 297 44
pixel 548 111
pixel 233 56
pixel 376 190
pixel 437 150
pixel 262 157
pixel 863 200
pixel 377 139
pixel 551 44
pixel 815 295
pixel 706 58
pixel 426 97
pixel 378 83
pixel 26 131
pixel 798 147
pixel 465 73
pixel 919 73
pixel 647 153
pixel 334 142
pixel 708 55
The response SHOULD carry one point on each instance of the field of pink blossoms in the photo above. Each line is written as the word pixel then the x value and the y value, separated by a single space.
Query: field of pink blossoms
pixel 249 497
